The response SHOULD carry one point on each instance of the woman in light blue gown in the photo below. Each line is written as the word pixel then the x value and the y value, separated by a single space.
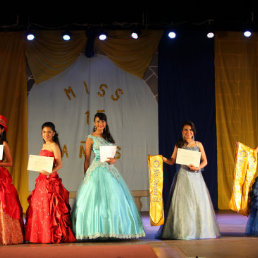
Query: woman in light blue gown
pixel 104 207
pixel 190 214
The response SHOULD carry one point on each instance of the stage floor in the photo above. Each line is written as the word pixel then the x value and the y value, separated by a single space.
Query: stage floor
pixel 232 243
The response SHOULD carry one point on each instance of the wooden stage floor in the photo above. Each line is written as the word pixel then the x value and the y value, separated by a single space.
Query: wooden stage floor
pixel 232 243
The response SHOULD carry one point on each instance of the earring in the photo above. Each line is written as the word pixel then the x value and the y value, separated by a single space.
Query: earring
pixel 94 128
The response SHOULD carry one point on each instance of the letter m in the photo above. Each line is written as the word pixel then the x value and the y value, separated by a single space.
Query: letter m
pixel 68 92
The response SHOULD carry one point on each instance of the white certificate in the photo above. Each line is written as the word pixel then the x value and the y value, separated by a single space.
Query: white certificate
pixel 188 157
pixel 39 163
pixel 107 151
pixel 1 151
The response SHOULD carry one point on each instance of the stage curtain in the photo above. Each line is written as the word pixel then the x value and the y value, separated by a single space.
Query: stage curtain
pixel 49 54
pixel 133 56
pixel 186 92
pixel 13 105
pixel 236 70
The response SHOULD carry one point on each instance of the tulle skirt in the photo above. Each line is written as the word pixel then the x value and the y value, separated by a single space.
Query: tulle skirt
pixel 191 214
pixel 104 207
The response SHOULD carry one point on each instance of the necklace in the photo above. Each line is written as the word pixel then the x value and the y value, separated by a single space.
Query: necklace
pixel 189 143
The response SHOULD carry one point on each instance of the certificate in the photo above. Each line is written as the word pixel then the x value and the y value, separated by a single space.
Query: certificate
pixel 1 151
pixel 188 157
pixel 39 163
pixel 107 151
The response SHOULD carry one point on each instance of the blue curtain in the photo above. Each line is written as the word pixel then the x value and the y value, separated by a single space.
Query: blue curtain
pixel 186 92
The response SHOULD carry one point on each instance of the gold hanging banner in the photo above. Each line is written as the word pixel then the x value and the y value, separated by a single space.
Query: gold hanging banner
pixel 244 175
pixel 155 165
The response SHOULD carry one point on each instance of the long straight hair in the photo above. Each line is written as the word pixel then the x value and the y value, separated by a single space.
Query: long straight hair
pixel 181 142
pixel 55 138
pixel 106 133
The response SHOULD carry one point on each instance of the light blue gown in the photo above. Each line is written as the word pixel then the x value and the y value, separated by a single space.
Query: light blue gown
pixel 191 214
pixel 104 206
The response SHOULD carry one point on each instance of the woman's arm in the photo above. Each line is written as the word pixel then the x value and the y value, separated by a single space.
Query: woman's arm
pixel 172 159
pixel 88 146
pixel 8 162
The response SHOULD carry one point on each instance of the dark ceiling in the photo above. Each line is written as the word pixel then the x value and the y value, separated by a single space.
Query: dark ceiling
pixel 180 15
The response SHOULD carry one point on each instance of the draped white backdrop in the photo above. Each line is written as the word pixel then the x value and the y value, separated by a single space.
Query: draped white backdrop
pixel 71 99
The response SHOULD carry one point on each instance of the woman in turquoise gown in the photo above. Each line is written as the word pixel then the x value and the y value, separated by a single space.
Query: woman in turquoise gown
pixel 104 207
pixel 190 214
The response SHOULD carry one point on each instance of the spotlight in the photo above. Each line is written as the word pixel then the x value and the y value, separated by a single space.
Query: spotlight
pixel 247 33
pixel 172 34
pixel 30 36
pixel 102 36
pixel 210 35
pixel 66 36
pixel 134 35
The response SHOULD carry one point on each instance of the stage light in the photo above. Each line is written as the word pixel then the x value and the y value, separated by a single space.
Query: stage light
pixel 247 33
pixel 210 35
pixel 172 34
pixel 30 36
pixel 66 36
pixel 102 36
pixel 134 35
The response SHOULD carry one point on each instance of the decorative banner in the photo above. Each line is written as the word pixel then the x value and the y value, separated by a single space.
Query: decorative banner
pixel 155 164
pixel 245 169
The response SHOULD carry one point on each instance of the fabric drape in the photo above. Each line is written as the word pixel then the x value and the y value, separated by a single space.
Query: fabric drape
pixel 49 54
pixel 244 172
pixel 133 56
pixel 13 105
pixel 236 69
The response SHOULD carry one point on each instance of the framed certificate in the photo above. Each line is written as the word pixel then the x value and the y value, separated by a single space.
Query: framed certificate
pixel 38 163
pixel 188 157
pixel 107 151
pixel 1 151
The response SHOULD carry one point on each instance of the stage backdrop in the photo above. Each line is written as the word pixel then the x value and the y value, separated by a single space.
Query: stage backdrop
pixel 71 99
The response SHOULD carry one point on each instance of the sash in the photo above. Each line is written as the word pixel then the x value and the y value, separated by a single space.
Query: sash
pixel 244 176
pixel 155 165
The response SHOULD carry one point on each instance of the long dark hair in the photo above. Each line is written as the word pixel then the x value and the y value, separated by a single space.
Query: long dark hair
pixel 53 128
pixel 106 133
pixel 181 142
pixel 2 136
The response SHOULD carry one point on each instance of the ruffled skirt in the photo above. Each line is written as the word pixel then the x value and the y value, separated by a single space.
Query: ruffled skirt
pixel 48 216
pixel 11 225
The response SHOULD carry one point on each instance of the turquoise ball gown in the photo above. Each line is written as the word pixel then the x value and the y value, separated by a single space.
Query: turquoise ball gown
pixel 104 207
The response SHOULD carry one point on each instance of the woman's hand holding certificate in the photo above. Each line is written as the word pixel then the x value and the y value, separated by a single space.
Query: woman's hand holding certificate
pixel 189 158
pixel 107 153
pixel 41 164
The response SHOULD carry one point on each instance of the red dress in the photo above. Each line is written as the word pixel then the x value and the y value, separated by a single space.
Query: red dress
pixel 48 215
pixel 11 224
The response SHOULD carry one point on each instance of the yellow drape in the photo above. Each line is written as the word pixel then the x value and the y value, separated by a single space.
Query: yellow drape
pixel 134 56
pixel 49 54
pixel 244 176
pixel 13 105
pixel 236 89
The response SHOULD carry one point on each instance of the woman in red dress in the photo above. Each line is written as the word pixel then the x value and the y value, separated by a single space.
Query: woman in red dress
pixel 48 214
pixel 11 224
